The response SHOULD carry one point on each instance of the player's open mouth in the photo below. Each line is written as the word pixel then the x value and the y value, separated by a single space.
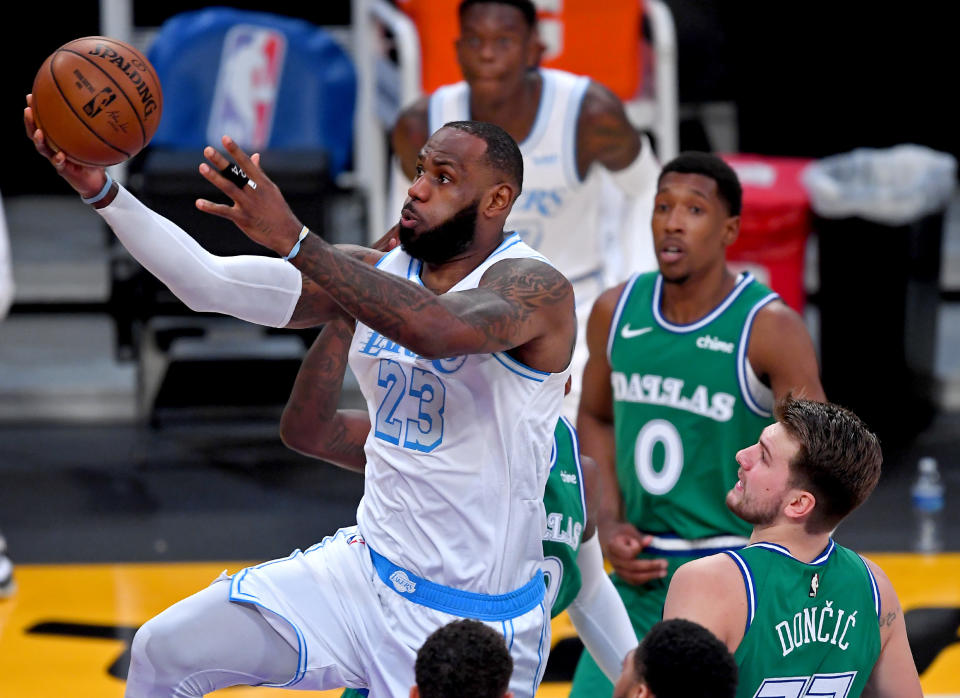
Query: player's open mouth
pixel 407 219
pixel 671 253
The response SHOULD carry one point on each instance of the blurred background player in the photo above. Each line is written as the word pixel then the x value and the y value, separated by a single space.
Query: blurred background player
pixel 684 367
pixel 800 612
pixel 463 659
pixel 678 659
pixel 575 137
pixel 7 585
pixel 573 562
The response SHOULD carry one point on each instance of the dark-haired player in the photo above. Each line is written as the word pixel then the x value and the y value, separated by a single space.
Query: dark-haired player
pixel 463 659
pixel 575 138
pixel 803 615
pixel 678 659
pixel 685 364
pixel 463 341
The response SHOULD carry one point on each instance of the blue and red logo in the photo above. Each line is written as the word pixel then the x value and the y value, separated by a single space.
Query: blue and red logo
pixel 245 100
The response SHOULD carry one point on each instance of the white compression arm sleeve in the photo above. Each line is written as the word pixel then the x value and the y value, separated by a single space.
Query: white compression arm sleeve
pixel 261 290
pixel 599 615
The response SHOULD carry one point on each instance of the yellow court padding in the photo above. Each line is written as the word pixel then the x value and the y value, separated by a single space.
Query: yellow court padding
pixel 104 596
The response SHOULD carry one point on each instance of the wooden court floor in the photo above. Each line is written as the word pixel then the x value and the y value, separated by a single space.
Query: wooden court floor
pixel 66 631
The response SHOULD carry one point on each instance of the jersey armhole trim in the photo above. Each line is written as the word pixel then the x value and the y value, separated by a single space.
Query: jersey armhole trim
pixel 874 587
pixel 570 121
pixel 617 313
pixel 748 587
pixel 575 444
pixel 544 112
pixel 521 369
pixel 753 402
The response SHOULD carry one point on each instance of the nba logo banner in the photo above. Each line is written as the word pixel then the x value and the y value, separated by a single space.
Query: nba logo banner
pixel 245 99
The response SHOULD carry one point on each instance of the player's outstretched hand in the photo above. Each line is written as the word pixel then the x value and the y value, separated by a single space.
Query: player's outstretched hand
pixel 85 180
pixel 621 544
pixel 259 209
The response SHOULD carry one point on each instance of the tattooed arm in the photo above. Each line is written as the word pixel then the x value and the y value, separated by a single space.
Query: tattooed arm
pixel 521 304
pixel 895 674
pixel 311 423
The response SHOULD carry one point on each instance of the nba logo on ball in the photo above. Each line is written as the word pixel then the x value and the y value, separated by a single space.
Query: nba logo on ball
pixel 247 85
pixel 97 100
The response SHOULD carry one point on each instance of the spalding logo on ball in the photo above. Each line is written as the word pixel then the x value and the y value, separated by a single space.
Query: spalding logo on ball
pixel 98 100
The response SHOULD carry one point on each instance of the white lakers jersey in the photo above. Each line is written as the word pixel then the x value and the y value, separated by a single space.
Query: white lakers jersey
pixel 557 212
pixel 458 452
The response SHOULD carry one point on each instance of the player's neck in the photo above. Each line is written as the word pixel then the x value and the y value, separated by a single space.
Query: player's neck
pixel 804 546
pixel 440 278
pixel 694 298
pixel 515 111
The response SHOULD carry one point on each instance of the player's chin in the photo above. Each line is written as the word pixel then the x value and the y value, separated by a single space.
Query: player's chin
pixel 673 275
pixel 733 500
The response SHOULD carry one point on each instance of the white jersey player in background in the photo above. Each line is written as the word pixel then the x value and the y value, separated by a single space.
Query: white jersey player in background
pixel 587 171
pixel 463 345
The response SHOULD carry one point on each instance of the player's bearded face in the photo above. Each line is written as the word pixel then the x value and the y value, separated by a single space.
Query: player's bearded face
pixel 754 511
pixel 445 241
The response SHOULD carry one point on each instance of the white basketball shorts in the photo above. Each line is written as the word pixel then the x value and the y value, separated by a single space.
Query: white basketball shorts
pixel 358 620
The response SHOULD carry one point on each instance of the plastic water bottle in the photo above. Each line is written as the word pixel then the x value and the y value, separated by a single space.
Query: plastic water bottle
pixel 927 495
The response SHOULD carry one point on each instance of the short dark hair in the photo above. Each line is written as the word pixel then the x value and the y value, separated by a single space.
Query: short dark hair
pixel 681 659
pixel 526 7
pixel 503 153
pixel 463 659
pixel 709 165
pixel 839 458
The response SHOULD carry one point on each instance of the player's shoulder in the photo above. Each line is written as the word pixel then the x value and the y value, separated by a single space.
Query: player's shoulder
pixel 719 565
pixel 412 124
pixel 366 255
pixel 528 275
pixel 608 299
pixel 884 585
pixel 718 573
pixel 600 105
pixel 777 322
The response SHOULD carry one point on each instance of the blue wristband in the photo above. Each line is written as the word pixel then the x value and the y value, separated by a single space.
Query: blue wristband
pixel 304 231
pixel 103 192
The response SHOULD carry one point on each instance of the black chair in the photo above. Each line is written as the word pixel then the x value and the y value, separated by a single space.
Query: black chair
pixel 278 86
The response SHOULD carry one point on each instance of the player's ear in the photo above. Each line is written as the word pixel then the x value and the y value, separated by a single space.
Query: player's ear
pixel 536 48
pixel 499 200
pixel 800 503
pixel 414 691
pixel 731 230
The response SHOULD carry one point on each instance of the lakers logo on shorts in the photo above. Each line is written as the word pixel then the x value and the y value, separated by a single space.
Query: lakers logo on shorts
pixel 402 583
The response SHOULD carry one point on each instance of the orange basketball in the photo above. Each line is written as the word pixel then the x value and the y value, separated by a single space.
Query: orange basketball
pixel 98 100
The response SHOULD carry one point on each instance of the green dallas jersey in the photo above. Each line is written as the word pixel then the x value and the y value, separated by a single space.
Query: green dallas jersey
pixel 685 400
pixel 812 628
pixel 566 506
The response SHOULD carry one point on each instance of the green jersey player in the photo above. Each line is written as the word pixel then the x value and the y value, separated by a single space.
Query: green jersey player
pixel 684 367
pixel 802 615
